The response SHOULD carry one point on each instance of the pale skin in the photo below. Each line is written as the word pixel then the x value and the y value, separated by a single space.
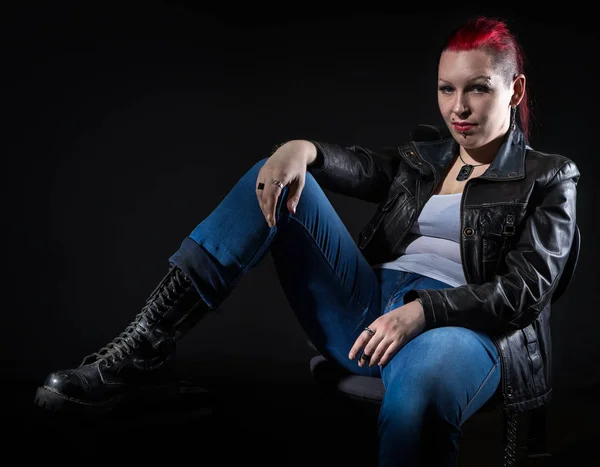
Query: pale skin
pixel 470 89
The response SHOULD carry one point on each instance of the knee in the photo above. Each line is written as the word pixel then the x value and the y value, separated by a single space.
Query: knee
pixel 416 403
pixel 439 356
pixel 420 376
pixel 439 367
pixel 402 414
pixel 401 409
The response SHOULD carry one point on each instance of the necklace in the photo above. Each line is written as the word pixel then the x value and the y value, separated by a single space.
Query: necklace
pixel 465 171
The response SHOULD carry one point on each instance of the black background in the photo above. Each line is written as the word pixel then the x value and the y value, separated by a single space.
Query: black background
pixel 126 123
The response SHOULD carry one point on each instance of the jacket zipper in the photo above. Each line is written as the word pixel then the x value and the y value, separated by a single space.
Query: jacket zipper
pixel 508 231
pixel 417 210
pixel 462 256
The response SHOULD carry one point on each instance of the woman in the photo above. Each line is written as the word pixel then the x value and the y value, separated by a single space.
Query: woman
pixel 445 297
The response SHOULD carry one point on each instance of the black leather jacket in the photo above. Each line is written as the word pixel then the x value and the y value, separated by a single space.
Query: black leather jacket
pixel 518 221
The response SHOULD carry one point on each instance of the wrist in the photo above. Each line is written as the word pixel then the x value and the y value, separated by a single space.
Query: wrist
pixel 305 148
pixel 310 151
pixel 420 315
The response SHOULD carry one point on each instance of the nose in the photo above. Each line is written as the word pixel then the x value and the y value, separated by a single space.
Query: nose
pixel 460 106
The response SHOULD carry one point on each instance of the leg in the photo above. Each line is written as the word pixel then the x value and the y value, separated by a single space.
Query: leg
pixel 331 288
pixel 330 285
pixel 433 385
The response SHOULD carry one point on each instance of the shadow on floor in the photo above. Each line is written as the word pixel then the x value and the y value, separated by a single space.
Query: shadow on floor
pixel 269 423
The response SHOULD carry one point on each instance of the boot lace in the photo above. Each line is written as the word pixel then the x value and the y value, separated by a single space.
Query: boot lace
pixel 134 334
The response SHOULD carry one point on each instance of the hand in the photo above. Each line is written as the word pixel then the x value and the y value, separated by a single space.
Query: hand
pixel 392 331
pixel 287 165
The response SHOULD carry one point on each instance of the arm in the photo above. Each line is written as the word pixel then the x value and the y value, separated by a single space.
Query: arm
pixel 533 267
pixel 354 171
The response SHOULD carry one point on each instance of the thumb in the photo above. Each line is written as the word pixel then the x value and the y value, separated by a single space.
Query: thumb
pixel 296 188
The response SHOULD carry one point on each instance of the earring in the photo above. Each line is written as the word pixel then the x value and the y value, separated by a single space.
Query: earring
pixel 513 115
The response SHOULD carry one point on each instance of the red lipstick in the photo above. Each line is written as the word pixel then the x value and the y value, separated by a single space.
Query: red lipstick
pixel 463 126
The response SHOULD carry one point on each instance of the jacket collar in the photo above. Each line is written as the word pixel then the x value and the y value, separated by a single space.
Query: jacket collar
pixel 509 163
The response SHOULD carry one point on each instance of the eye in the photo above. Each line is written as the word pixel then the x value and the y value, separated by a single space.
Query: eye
pixel 445 89
pixel 479 88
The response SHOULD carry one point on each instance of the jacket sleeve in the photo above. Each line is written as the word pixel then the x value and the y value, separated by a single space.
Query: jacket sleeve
pixel 533 268
pixel 354 170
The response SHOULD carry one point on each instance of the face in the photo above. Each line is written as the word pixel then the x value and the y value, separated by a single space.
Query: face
pixel 472 92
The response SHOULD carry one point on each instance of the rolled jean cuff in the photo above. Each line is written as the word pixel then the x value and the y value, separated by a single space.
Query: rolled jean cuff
pixel 199 266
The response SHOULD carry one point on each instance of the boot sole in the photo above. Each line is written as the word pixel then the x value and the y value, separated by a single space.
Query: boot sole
pixel 54 402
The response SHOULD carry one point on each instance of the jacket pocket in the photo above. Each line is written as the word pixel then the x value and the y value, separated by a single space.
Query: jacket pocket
pixel 497 237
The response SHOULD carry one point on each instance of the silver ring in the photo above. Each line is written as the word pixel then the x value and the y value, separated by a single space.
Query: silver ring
pixel 369 332
pixel 277 182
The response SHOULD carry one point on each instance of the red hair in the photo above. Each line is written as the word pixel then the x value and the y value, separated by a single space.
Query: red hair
pixel 493 34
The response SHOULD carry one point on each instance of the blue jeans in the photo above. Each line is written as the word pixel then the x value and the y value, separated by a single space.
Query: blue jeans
pixel 433 384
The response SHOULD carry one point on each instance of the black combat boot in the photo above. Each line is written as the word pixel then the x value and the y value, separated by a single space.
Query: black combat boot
pixel 138 364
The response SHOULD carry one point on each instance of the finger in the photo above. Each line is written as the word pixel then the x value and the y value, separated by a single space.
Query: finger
pixel 261 204
pixel 272 195
pixel 360 342
pixel 392 350
pixel 370 349
pixel 260 192
pixel 378 352
pixel 296 188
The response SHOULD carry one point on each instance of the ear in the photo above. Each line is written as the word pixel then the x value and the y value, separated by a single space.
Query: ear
pixel 518 88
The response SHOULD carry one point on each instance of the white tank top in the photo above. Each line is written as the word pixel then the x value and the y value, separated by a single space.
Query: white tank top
pixel 432 244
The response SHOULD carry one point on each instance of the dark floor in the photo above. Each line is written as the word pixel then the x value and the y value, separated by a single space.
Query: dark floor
pixel 279 424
